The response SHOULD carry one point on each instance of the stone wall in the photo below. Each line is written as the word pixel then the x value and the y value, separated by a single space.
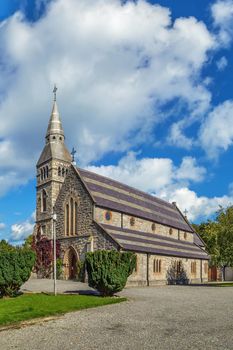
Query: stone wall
pixel 87 228
pixel 52 185
pixel 124 221
pixel 143 277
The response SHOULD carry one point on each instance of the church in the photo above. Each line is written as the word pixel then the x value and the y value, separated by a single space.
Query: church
pixel 95 212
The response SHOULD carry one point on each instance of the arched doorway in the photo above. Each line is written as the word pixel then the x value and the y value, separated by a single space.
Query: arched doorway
pixel 70 264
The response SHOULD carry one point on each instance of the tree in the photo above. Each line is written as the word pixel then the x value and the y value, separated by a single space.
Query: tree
pixel 218 237
pixel 108 270
pixel 208 231
pixel 28 241
pixel 225 238
pixel 5 246
pixel 15 269
pixel 43 248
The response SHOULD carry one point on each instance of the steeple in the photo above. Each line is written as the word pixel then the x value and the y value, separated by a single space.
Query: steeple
pixel 55 147
pixel 55 126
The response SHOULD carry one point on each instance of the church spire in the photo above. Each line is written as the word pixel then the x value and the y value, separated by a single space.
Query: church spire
pixel 55 147
pixel 55 126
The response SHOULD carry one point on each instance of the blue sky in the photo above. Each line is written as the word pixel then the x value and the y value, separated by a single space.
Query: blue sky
pixel 145 95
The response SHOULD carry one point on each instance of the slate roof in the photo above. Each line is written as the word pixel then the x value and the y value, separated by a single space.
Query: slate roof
pixel 113 195
pixel 54 150
pixel 154 243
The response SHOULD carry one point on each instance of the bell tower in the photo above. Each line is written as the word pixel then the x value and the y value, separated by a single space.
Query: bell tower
pixel 52 168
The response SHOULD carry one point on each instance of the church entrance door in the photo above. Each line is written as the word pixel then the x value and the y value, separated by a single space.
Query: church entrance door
pixel 70 264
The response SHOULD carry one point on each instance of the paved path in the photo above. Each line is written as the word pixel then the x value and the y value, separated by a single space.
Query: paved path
pixel 47 286
pixel 168 317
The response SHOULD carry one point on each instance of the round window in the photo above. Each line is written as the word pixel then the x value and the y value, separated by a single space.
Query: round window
pixel 108 215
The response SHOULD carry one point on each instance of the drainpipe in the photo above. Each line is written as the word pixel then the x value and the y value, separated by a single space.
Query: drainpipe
pixel 147 270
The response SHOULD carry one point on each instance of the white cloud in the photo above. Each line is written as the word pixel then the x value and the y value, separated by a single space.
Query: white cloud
pixel 216 133
pixel 162 178
pixel 189 170
pixel 115 66
pixel 197 207
pixel 20 231
pixel 222 63
pixel 222 13
pixel 2 226
pixel 177 138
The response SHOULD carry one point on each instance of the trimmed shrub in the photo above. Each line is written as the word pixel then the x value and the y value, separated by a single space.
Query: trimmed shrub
pixel 108 270
pixel 15 269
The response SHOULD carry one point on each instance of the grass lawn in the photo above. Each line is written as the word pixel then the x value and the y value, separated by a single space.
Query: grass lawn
pixel 29 306
pixel 226 284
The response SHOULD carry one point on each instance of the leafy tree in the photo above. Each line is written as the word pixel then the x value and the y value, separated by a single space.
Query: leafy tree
pixel 218 237
pixel 208 231
pixel 225 237
pixel 43 248
pixel 28 241
pixel 15 269
pixel 108 270
pixel 6 247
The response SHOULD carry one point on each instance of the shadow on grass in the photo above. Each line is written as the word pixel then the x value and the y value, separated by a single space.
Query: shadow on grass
pixel 83 292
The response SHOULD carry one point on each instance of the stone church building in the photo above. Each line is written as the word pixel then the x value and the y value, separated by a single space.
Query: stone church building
pixel 95 212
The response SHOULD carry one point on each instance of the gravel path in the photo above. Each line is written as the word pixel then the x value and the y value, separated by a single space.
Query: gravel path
pixel 168 317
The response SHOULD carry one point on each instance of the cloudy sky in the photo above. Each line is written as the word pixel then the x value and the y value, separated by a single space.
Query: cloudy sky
pixel 145 95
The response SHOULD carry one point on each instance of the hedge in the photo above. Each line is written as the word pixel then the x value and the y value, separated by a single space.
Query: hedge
pixel 15 269
pixel 108 270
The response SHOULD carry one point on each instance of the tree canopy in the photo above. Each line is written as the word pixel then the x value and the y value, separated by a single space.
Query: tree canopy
pixel 218 237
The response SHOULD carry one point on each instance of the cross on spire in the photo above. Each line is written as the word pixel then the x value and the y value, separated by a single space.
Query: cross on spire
pixel 185 212
pixel 55 92
pixel 73 154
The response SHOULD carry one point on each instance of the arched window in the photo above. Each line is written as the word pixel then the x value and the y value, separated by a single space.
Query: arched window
pixel 153 227
pixel 193 267
pixel 71 217
pixel 170 231
pixel 76 218
pixel 47 171
pixel 63 172
pixel 59 171
pixel 185 235
pixel 178 266
pixel 66 171
pixel 157 266
pixel 44 200
pixel 41 174
pixel 67 220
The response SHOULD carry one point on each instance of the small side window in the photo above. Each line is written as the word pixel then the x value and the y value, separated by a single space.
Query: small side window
pixel 108 215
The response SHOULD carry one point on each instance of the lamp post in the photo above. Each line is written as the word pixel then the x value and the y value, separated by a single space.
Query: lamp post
pixel 54 218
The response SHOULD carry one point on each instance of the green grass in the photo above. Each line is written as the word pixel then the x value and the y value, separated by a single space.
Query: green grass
pixel 30 306
pixel 226 284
